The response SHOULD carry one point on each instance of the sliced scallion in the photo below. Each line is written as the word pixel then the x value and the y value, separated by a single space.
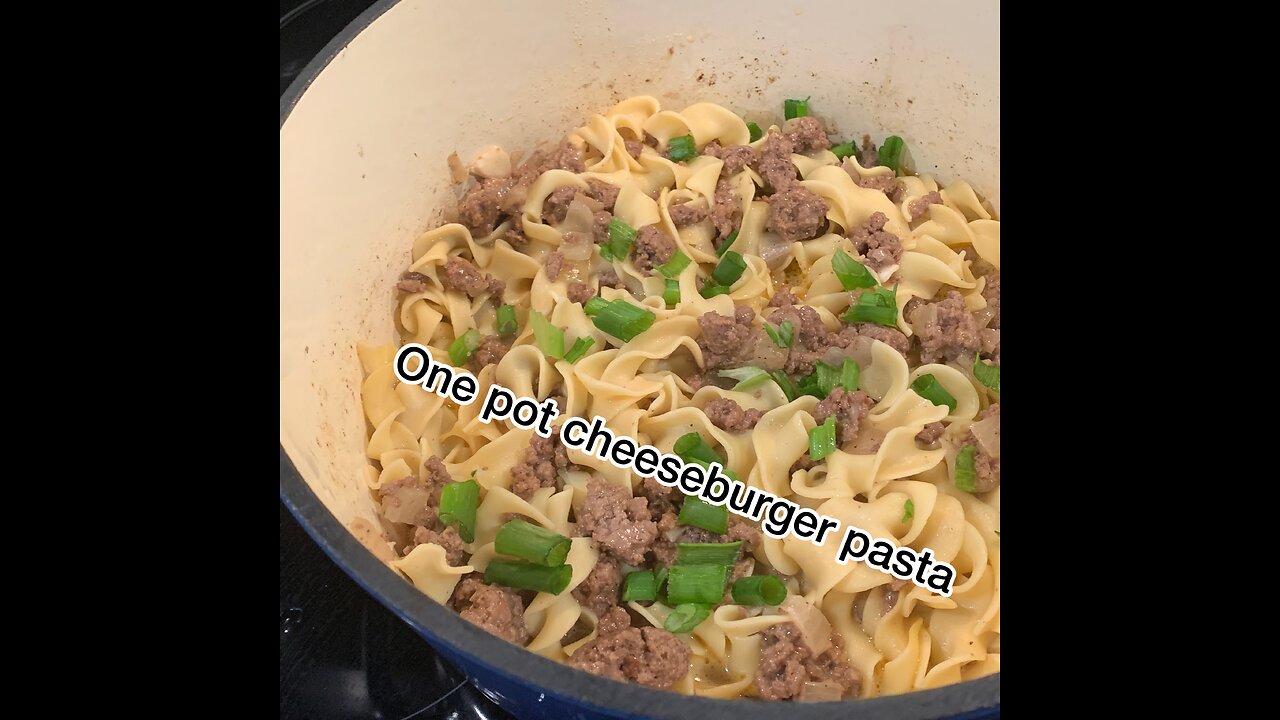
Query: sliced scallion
pixel 822 439
pixel 640 585
pixel 527 576
pixel 621 235
pixel 891 153
pixel 623 320
pixel 966 475
pixel 671 293
pixel 580 348
pixel 849 375
pixel 729 269
pixel 755 131
pixel 685 617
pixel 759 590
pixel 460 350
pixel 988 375
pixel 458 502
pixel 681 148
pixel 852 274
pixel 728 242
pixel 795 108
pixel 507 325
pixel 696 584
pixel 844 150
pixel 782 336
pixel 549 337
pixel 522 539
pixel 675 265
pixel 707 553
pixel 928 387
pixel 748 376
pixel 701 514
pixel 786 383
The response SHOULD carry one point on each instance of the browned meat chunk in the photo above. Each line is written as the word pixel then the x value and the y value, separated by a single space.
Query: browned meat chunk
pixel 515 236
pixel 728 415
pixel 735 157
pixel 483 205
pixel 807 134
pixel 848 408
pixel 599 591
pixel 634 148
pixel 783 298
pixel 879 248
pixel 725 212
pixel 490 351
pixel 887 184
pixel 952 332
pixel 892 337
pixel 809 337
pixel 787 663
pixel 553 263
pixel 543 460
pixel 609 278
pixel 449 539
pixel 466 278
pixel 920 205
pixel 496 609
pixel 724 339
pixel 580 292
pixel 648 656
pixel 687 214
pixel 869 157
pixel 930 434
pixel 600 226
pixel 774 162
pixel 986 468
pixel 413 282
pixel 796 213
pixel 556 206
pixel 991 291
pixel 665 551
pixel 652 247
pixel 613 621
pixel 604 192
pixel 661 498
pixel 617 521
pixel 415 501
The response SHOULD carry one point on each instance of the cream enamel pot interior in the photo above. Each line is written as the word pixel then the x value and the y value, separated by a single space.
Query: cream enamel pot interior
pixel 364 134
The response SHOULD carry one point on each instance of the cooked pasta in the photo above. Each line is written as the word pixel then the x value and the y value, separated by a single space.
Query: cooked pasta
pixel 830 296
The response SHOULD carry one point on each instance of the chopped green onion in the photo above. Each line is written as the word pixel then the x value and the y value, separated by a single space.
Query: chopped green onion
pixel 550 338
pixel 965 473
pixel 681 148
pixel 728 241
pixel 623 320
pixel 685 617
pixel 458 503
pixel 879 306
pixel 660 577
pixel 527 576
pixel 908 511
pixel 507 324
pixel 640 585
pixel 782 336
pixel 820 382
pixel 711 290
pixel 849 375
pixel 822 439
pixel 580 348
pixel 852 274
pixel 759 590
pixel 844 150
pixel 595 305
pixel 795 108
pixel 671 294
pixel 729 269
pixel 756 132
pixel 691 447
pixel 988 375
pixel 675 265
pixel 748 376
pixel 460 350
pixel 697 584
pixel 621 235
pixel 928 387
pixel 786 383
pixel 707 553
pixel 891 152
pixel 523 539
pixel 702 514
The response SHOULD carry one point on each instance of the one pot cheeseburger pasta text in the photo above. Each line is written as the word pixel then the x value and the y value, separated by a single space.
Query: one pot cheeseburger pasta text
pixel 805 310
